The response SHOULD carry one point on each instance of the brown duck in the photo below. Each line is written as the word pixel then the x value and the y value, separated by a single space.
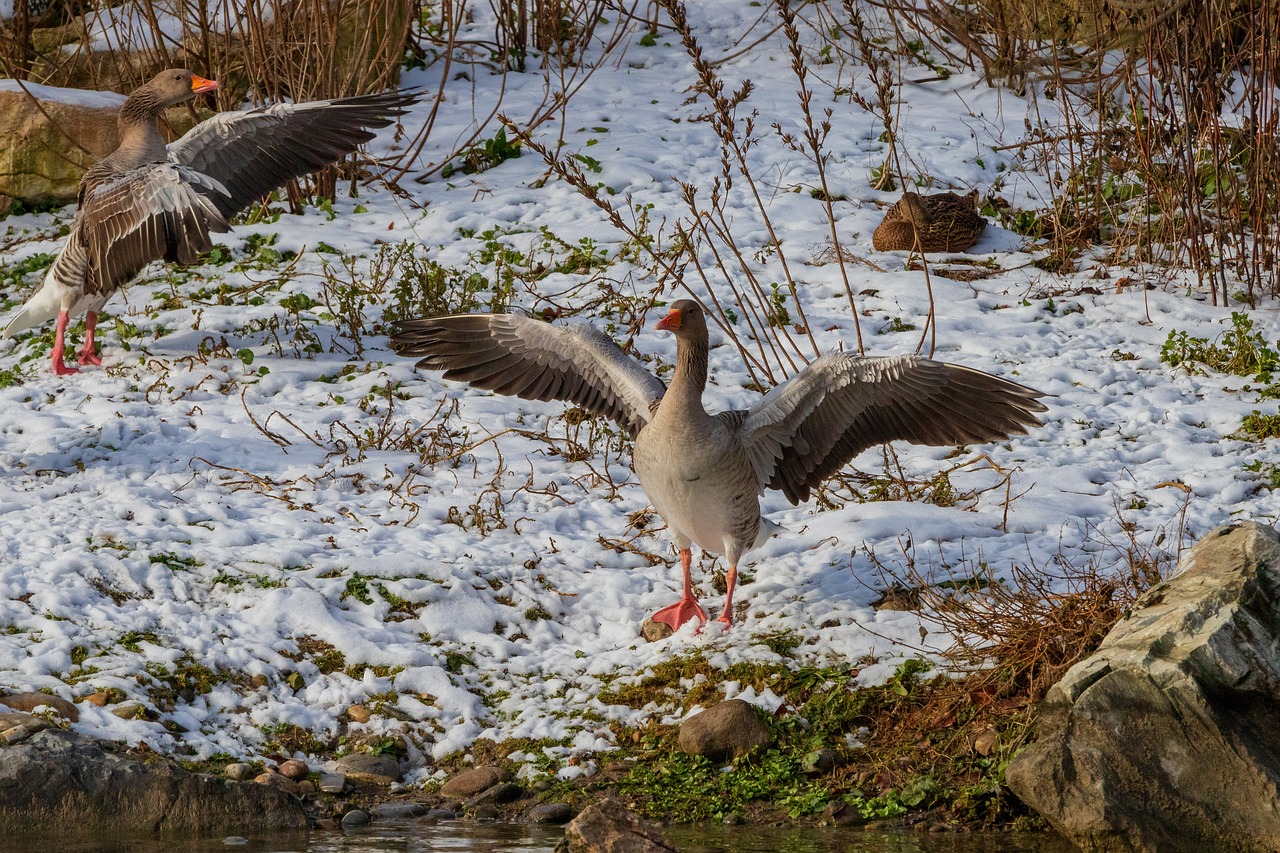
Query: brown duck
pixel 704 473
pixel 148 201
pixel 943 222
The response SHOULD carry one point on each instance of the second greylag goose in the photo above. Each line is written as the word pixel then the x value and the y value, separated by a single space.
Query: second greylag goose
pixel 702 472
pixel 148 202
pixel 942 222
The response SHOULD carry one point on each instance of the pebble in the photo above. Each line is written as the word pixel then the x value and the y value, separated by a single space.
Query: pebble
pixel 551 813
pixel 355 817
pixel 306 786
pixel 295 681
pixel 820 761
pixel 653 631
pixel 31 701
pixel 333 783
pixel 468 783
pixel 485 813
pixel 101 698
pixel 235 840
pixel 359 713
pixel 327 823
pixel 275 780
pixel 238 772
pixel 130 710
pixel 258 680
pixel 399 810
pixel 441 814
pixel 503 792
pixel 293 769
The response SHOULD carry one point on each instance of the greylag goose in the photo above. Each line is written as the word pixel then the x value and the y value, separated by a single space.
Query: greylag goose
pixel 148 202
pixel 702 472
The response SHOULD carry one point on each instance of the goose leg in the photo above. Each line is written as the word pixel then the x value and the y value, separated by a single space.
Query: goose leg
pixel 87 355
pixel 687 607
pixel 60 367
pixel 730 581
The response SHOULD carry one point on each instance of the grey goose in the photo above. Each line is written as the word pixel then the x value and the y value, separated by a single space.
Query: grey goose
pixel 148 201
pixel 704 473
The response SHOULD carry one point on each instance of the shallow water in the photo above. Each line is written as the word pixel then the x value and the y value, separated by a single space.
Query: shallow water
pixel 410 837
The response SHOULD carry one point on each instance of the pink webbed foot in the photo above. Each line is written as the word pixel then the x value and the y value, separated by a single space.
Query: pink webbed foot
pixel 61 368
pixel 680 613
pixel 89 358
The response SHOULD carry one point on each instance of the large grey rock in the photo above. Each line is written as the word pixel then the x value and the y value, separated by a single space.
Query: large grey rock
pixel 724 731
pixel 1167 738
pixel 468 783
pixel 608 827
pixel 61 782
pixel 370 769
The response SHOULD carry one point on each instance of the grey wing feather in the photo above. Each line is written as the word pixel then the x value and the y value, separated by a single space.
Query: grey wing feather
pixel 251 152
pixel 522 357
pixel 148 214
pixel 805 430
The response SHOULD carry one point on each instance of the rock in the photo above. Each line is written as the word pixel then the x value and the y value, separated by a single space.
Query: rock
pixel 31 701
pixel 37 162
pixel 235 841
pixel 370 769
pixel 653 631
pixel 485 813
pixel 275 780
pixel 306 786
pixel 333 783
pixel 359 714
pixel 1164 739
pixel 258 680
pixel 555 813
pixel 327 823
pixel 101 698
pixel 840 813
pixel 355 817
pixel 468 783
pixel 503 792
pixel 238 772
pixel 724 731
pixel 392 811
pixel 820 761
pixel 17 734
pixel 293 769
pixel 609 826
pixel 65 781
pixel 441 814
pixel 295 681
pixel 130 711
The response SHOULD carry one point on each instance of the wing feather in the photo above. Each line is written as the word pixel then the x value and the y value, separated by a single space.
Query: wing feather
pixel 522 357
pixel 805 430
pixel 251 152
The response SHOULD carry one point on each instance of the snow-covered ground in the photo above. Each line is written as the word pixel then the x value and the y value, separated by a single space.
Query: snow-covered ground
pixel 237 484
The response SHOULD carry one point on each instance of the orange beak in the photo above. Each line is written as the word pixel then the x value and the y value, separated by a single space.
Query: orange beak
pixel 669 323
pixel 199 85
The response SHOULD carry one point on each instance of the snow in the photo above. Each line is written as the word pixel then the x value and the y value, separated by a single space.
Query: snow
pixel 75 97
pixel 187 505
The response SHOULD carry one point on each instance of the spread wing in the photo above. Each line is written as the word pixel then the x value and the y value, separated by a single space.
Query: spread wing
pixel 155 212
pixel 251 152
pixel 522 357
pixel 805 430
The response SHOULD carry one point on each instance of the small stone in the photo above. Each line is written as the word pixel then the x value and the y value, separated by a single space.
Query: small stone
pixel 355 817
pixel 333 783
pixel 555 813
pixel 503 792
pixel 17 734
pixel 468 783
pixel 392 811
pixel 293 769
pixel 238 772
pixel 653 631
pixel 275 780
pixel 101 698
pixel 541 785
pixel 370 769
pixel 820 761
pixel 327 823
pixel 30 701
pixel 726 730
pixel 306 786
pixel 732 819
pixel 840 813
pixel 441 814
pixel 235 841
pixel 295 681
pixel 130 711
pixel 485 813
pixel 359 714
pixel 258 680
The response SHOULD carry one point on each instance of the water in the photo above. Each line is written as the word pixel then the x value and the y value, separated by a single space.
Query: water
pixel 411 837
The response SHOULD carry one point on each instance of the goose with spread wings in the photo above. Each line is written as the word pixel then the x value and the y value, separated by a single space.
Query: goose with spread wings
pixel 148 201
pixel 702 472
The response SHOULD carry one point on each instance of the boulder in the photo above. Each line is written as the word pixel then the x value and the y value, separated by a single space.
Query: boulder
pixel 31 701
pixel 468 783
pixel 609 827
pixel 1165 739
pixel 724 731
pixel 554 813
pixel 44 129
pixel 66 783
